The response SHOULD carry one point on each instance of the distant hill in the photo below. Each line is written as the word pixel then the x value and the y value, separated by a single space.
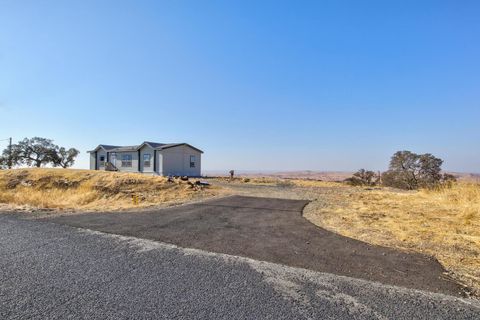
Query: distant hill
pixel 465 176
pixel 319 175
pixel 304 174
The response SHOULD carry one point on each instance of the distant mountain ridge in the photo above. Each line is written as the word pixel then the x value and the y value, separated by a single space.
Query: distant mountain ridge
pixel 318 175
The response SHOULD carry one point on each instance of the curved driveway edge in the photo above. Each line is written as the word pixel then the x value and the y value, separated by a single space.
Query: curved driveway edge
pixel 271 230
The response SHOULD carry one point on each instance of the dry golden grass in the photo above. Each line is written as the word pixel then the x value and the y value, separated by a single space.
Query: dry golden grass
pixel 316 183
pixel 249 180
pixel 67 189
pixel 281 182
pixel 443 223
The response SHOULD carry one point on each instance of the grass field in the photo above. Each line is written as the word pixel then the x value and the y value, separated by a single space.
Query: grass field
pixel 68 189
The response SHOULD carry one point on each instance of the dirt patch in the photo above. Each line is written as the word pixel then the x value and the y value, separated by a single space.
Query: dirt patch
pixel 271 230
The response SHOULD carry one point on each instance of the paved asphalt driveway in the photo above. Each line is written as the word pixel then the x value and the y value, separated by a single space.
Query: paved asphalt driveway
pixel 52 271
pixel 271 230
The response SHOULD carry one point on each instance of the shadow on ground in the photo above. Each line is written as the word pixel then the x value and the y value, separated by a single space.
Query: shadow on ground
pixel 271 230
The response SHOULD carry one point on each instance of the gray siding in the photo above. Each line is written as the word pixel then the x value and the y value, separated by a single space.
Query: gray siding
pixel 101 153
pixel 92 161
pixel 133 168
pixel 146 150
pixel 176 161
pixel 171 161
pixel 159 168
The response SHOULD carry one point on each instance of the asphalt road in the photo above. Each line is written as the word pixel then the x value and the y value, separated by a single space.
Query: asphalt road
pixel 271 229
pixel 52 271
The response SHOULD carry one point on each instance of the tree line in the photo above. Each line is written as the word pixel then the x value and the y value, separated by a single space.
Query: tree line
pixel 37 152
pixel 407 170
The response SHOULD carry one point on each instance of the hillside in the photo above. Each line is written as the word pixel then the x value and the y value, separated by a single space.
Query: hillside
pixel 68 189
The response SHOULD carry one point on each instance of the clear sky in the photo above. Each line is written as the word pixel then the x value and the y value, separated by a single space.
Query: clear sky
pixel 258 85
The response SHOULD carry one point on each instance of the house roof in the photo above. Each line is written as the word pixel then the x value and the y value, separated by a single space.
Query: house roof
pixel 172 145
pixel 108 147
pixel 154 145
pixel 125 148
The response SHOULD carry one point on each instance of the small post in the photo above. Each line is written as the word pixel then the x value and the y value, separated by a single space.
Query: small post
pixel 10 153
pixel 134 199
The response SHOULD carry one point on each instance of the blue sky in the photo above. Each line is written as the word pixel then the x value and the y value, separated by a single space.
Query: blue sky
pixel 258 85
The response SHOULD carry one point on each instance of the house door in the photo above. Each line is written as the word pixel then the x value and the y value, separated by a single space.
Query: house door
pixel 113 158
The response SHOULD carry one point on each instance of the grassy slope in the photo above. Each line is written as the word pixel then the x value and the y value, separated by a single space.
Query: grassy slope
pixel 442 223
pixel 90 190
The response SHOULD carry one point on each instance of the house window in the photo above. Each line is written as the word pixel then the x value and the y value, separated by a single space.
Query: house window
pixel 146 160
pixel 192 161
pixel 102 161
pixel 126 160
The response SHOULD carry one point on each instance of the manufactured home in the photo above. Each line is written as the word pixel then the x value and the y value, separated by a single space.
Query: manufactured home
pixel 165 159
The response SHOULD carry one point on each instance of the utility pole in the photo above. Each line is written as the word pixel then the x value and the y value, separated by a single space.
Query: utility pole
pixel 10 153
